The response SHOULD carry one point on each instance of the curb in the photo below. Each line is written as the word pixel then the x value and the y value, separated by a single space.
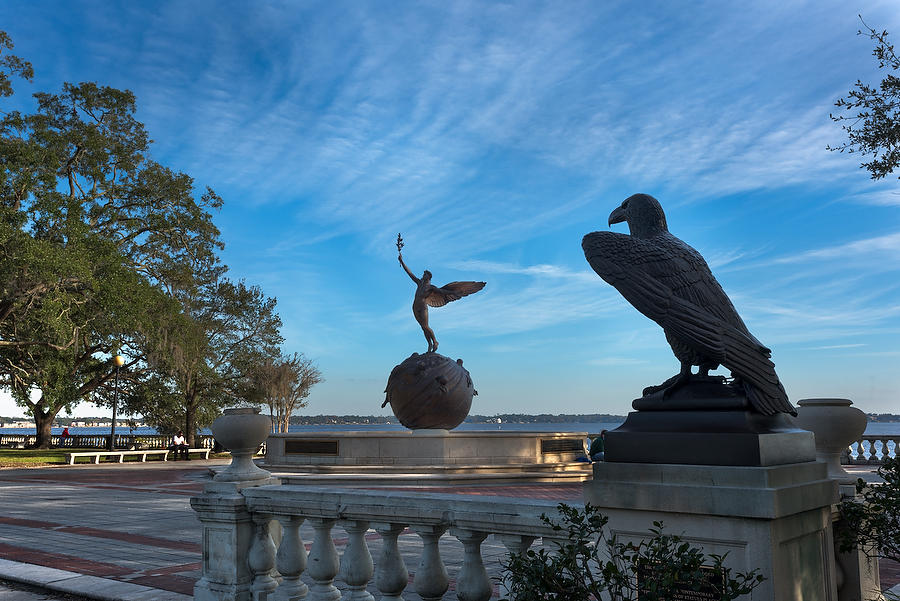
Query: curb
pixel 91 587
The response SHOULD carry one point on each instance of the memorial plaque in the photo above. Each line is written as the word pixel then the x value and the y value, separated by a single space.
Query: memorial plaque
pixel 709 588
pixel 561 445
pixel 311 447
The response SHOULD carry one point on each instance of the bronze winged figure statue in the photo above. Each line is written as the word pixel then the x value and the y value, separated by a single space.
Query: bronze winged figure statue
pixel 669 282
pixel 429 295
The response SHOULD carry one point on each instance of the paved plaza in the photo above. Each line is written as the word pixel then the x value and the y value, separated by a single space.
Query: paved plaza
pixel 126 531
pixel 133 525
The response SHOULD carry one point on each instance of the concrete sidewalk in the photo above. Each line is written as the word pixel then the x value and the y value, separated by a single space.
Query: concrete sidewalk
pixel 127 532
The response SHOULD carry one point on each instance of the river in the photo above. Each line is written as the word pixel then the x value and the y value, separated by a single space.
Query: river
pixel 873 428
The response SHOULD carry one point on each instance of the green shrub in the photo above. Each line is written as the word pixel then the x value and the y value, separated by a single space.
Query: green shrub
pixel 593 564
pixel 872 521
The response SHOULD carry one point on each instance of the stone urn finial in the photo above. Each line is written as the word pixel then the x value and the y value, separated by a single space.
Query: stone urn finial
pixel 241 431
pixel 836 424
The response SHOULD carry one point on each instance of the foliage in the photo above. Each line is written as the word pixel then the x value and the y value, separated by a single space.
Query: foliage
pixel 283 383
pixel 201 359
pixel 871 114
pixel 594 564
pixel 103 251
pixel 10 64
pixel 872 522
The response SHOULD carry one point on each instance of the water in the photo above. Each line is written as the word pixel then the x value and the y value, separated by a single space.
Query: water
pixel 873 428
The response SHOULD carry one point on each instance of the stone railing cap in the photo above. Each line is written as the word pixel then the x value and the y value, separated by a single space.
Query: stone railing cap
pixel 828 402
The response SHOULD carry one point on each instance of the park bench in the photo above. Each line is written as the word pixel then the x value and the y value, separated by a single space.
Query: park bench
pixel 96 455
pixel 204 451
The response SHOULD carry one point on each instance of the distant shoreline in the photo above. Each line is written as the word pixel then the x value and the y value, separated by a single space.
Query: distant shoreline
pixel 349 420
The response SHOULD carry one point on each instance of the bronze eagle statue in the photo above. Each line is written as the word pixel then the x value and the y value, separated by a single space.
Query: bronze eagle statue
pixel 668 281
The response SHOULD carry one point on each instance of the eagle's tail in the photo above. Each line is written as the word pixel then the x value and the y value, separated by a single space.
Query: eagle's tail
pixel 736 350
pixel 750 363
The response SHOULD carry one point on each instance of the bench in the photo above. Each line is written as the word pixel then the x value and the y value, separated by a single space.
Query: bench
pixel 96 455
pixel 205 452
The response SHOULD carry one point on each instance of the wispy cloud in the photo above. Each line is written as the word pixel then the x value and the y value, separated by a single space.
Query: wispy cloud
pixel 831 347
pixel 888 245
pixel 540 271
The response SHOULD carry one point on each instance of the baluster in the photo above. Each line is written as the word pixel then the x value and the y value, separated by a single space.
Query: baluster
pixel 873 451
pixel 853 452
pixel 893 450
pixel 356 563
pixel 391 575
pixel 261 559
pixel 291 559
pixel 472 582
pixel 431 578
pixel 516 544
pixel 323 562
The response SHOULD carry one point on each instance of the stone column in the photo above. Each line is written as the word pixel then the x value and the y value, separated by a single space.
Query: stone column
pixel 228 532
pixel 228 528
pixel 291 559
pixel 774 518
pixel 516 544
pixel 431 578
pixel 472 582
pixel 391 575
pixel 261 560
pixel 356 563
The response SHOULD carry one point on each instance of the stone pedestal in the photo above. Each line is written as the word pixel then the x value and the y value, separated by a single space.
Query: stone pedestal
pixel 228 528
pixel 227 536
pixel 709 437
pixel 774 518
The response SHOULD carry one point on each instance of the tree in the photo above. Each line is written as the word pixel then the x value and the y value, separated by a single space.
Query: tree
pixel 594 564
pixel 10 64
pixel 872 114
pixel 93 234
pixel 203 356
pixel 872 520
pixel 283 383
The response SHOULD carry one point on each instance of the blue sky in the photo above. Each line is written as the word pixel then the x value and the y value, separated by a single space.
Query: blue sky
pixel 494 136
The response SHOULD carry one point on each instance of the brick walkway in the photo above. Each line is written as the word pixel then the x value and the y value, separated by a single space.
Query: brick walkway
pixel 135 524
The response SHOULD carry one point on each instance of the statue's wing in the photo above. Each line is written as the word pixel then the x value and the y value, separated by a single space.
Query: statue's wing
pixel 451 292
pixel 670 283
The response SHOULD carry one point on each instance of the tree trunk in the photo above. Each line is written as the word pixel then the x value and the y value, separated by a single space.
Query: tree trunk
pixel 190 424
pixel 43 420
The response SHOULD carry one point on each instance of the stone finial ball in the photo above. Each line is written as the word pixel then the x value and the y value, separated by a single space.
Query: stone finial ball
pixel 430 391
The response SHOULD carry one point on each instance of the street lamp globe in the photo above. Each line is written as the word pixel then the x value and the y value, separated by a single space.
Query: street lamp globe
pixel 119 360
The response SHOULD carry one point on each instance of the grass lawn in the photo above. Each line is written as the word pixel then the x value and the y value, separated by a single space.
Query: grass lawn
pixel 38 457
pixel 32 457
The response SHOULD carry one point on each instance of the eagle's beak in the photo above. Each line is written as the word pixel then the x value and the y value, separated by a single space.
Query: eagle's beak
pixel 617 216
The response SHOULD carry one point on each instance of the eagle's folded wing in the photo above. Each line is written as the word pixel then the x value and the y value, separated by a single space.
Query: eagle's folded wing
pixel 673 286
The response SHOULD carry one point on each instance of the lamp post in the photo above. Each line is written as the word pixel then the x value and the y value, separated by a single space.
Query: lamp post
pixel 118 361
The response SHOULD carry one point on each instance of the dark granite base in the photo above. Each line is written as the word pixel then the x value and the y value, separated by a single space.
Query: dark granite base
pixel 718 437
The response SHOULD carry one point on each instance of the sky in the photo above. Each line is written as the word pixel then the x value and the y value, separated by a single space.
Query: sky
pixel 493 136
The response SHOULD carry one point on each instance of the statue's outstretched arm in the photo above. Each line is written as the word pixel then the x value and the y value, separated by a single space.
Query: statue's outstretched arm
pixel 408 272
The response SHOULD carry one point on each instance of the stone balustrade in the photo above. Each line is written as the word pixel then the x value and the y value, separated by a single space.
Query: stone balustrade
pixel 871 449
pixel 275 555
pixel 101 441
